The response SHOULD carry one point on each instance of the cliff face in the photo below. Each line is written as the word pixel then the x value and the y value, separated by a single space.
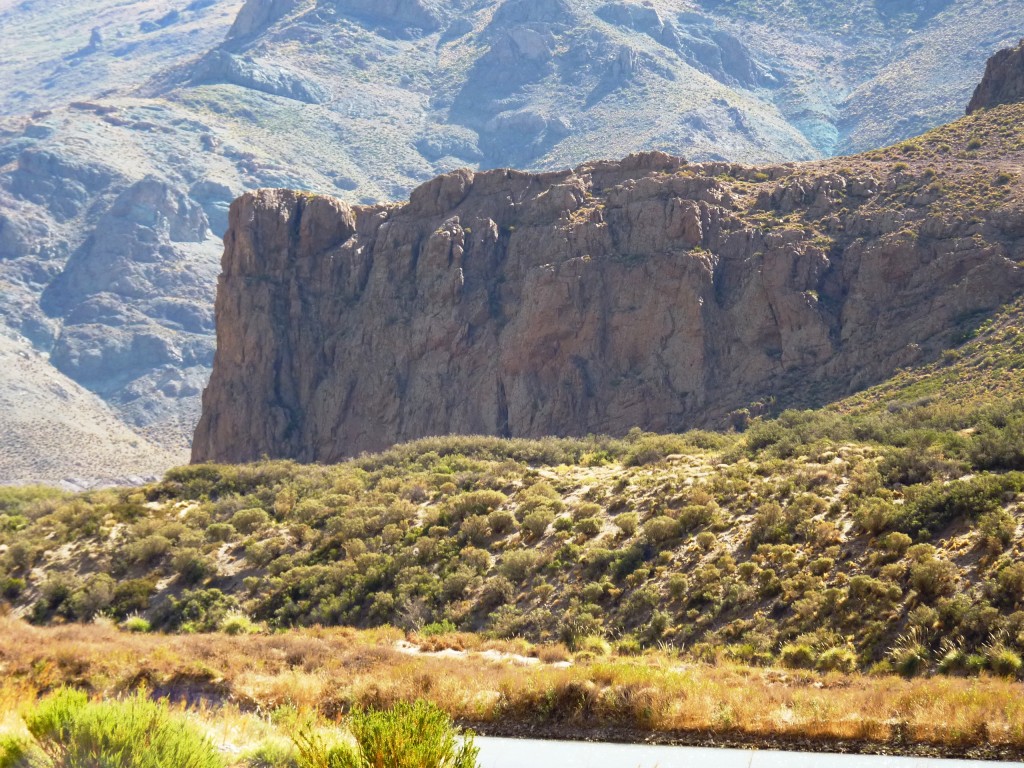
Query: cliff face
pixel 643 293
pixel 1003 82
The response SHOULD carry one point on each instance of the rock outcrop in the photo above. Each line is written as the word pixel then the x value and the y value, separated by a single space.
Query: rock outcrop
pixel 1003 82
pixel 646 292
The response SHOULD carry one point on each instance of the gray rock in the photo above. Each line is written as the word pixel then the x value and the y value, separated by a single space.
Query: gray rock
pixel 223 67
pixel 256 15
pixel 394 14
pixel 57 181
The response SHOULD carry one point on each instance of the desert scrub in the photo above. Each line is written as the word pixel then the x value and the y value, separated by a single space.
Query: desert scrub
pixel 69 731
pixel 418 735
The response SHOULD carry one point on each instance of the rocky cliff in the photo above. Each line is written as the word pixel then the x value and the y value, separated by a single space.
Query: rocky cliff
pixel 647 292
pixel 1003 82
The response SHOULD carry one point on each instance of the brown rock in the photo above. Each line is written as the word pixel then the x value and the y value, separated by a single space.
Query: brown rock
pixel 1003 82
pixel 645 293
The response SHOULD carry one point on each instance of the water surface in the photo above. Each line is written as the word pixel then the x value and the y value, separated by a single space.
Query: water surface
pixel 536 753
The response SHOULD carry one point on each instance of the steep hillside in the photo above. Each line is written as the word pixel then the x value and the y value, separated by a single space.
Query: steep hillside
pixel 364 101
pixel 648 293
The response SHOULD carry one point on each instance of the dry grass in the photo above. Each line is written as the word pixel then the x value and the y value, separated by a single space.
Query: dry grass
pixel 334 670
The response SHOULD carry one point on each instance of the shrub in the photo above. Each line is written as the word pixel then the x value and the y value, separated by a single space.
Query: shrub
pixel 415 735
pixel 519 564
pixel 627 522
pixel 578 626
pixel 933 578
pixel 909 655
pixel 136 624
pixel 496 591
pixel 481 502
pixel 134 733
pixel 874 515
pixel 444 627
pixel 11 587
pixel 837 660
pixel 562 523
pixel 589 526
pixel 996 530
pixel 1009 585
pixel 192 566
pixel 250 520
pixel 938 504
pixel 798 656
pixel 476 529
pixel 220 532
pixel 16 752
pixel 659 530
pixel 536 523
pixel 501 521
pixel 198 610
pixel 628 646
pixel 238 624
pixel 149 550
pixel 131 596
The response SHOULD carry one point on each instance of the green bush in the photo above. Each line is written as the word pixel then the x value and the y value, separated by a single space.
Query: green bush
pixel 16 752
pixel 537 522
pixel 837 660
pixel 501 521
pixel 475 503
pixel 250 520
pixel 135 624
pixel 659 530
pixel 407 736
pixel 933 578
pixel 589 526
pixel 798 656
pixel 443 627
pixel 238 624
pixel 935 506
pixel 134 733
pixel 11 587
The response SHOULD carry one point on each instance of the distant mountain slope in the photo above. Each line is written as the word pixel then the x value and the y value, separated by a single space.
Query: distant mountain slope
pixel 120 152
pixel 55 430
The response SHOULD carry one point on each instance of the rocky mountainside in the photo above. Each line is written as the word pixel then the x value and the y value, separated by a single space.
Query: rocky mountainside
pixel 1003 82
pixel 648 292
pixel 121 148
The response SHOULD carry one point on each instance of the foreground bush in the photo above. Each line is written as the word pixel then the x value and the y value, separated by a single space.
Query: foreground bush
pixel 69 731
pixel 416 735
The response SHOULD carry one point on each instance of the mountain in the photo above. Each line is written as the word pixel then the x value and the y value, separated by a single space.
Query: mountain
pixel 121 149
pixel 647 293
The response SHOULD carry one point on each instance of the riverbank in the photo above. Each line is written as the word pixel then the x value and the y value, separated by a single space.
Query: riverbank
pixel 658 697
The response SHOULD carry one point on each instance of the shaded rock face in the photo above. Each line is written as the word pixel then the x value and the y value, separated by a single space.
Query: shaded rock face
pixel 639 293
pixel 1003 82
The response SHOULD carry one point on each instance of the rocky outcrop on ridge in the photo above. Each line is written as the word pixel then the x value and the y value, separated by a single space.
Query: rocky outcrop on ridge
pixel 647 292
pixel 1003 82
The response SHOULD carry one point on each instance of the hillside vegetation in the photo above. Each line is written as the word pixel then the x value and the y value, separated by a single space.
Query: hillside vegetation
pixel 882 533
